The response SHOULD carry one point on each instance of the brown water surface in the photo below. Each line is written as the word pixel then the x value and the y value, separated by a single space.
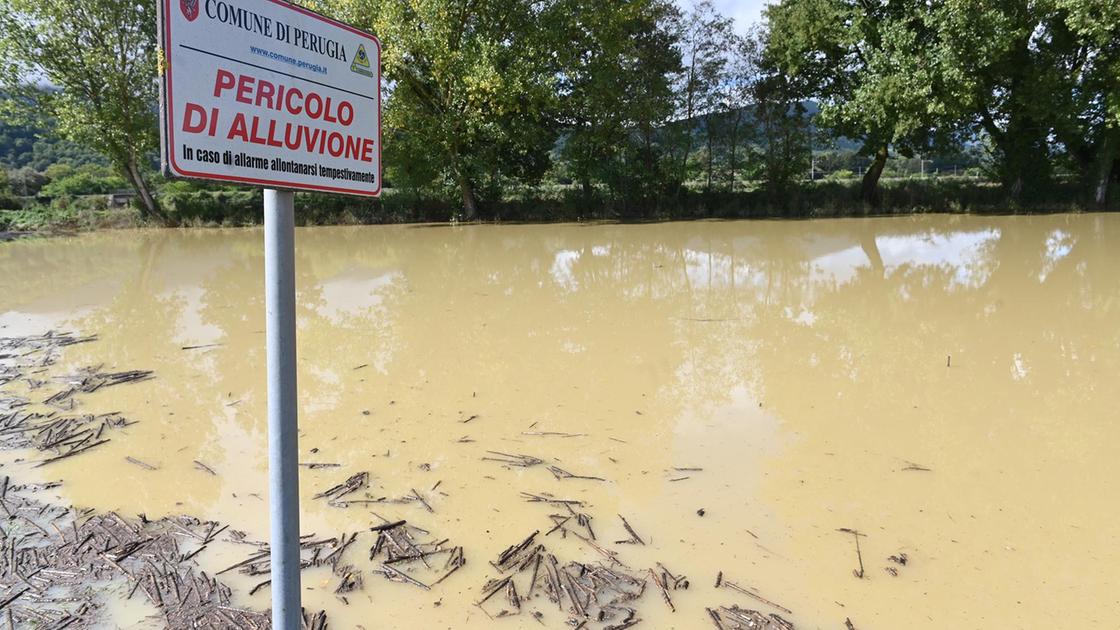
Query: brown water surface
pixel 945 385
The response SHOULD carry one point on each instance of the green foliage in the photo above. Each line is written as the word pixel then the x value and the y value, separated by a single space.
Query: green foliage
pixel 1038 78
pixel 474 90
pixel 7 199
pixel 208 207
pixel 26 181
pixel 36 143
pixel 521 109
pixel 101 57
pixel 780 115
pixel 67 214
pixel 85 180
pixel 703 39
pixel 868 65
pixel 615 64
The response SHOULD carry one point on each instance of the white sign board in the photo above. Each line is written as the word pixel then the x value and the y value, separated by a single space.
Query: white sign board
pixel 268 93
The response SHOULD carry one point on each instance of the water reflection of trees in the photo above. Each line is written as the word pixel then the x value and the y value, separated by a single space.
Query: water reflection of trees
pixel 591 322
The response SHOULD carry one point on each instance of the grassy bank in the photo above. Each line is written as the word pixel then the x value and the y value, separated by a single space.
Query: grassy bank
pixel 228 207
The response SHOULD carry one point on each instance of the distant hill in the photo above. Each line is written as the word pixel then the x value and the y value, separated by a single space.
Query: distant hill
pixel 750 126
pixel 38 147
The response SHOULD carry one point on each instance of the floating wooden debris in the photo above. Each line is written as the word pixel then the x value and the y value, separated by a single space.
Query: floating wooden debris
pixel 750 592
pixel 901 560
pixel 590 596
pixel 55 561
pixel 634 537
pixel 137 462
pixel 859 555
pixel 90 380
pixel 403 558
pixel 49 576
pixel 314 552
pixel 58 436
pixel 545 497
pixel 560 474
pixel 353 484
pixel 735 618
pixel 661 586
pixel 521 461
pixel 675 582
pixel 552 434
pixel 199 465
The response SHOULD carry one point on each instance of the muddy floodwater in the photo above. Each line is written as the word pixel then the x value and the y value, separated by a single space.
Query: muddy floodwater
pixel 739 392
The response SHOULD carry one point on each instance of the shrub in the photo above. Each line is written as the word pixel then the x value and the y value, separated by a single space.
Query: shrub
pixel 89 179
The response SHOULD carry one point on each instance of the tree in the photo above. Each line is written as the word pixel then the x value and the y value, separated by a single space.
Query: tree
pixel 704 39
pixel 99 59
pixel 1090 124
pixel 783 125
pixel 615 63
pixel 471 87
pixel 998 58
pixel 869 66
pixel 737 96
pixel 26 181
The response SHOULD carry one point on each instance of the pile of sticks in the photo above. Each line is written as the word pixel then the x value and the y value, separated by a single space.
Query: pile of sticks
pixel 735 618
pixel 403 559
pixel 57 436
pixel 51 556
pixel 89 380
pixel 399 552
pixel 585 593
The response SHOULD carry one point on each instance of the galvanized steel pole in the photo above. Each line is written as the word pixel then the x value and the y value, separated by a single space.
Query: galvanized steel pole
pixel 283 471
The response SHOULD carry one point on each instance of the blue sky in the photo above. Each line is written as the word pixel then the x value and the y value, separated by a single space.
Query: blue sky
pixel 745 12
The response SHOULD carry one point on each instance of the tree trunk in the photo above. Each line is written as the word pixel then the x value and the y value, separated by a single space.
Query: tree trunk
pixel 149 207
pixel 711 148
pixel 1025 168
pixel 734 148
pixel 869 191
pixel 1105 163
pixel 470 204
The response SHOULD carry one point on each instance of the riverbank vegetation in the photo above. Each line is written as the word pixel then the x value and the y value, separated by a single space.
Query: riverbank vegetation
pixel 637 109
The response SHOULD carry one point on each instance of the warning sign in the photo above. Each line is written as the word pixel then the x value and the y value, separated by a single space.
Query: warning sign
pixel 268 93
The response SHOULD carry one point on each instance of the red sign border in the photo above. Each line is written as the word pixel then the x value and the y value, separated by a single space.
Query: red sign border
pixel 167 138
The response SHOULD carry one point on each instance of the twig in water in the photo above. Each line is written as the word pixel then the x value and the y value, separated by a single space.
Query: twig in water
pixel 523 461
pixel 750 593
pixel 144 465
pixel 859 555
pixel 422 501
pixel 560 473
pixel 634 537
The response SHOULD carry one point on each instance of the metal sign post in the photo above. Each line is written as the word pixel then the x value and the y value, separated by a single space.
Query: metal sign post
pixel 283 439
pixel 268 93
